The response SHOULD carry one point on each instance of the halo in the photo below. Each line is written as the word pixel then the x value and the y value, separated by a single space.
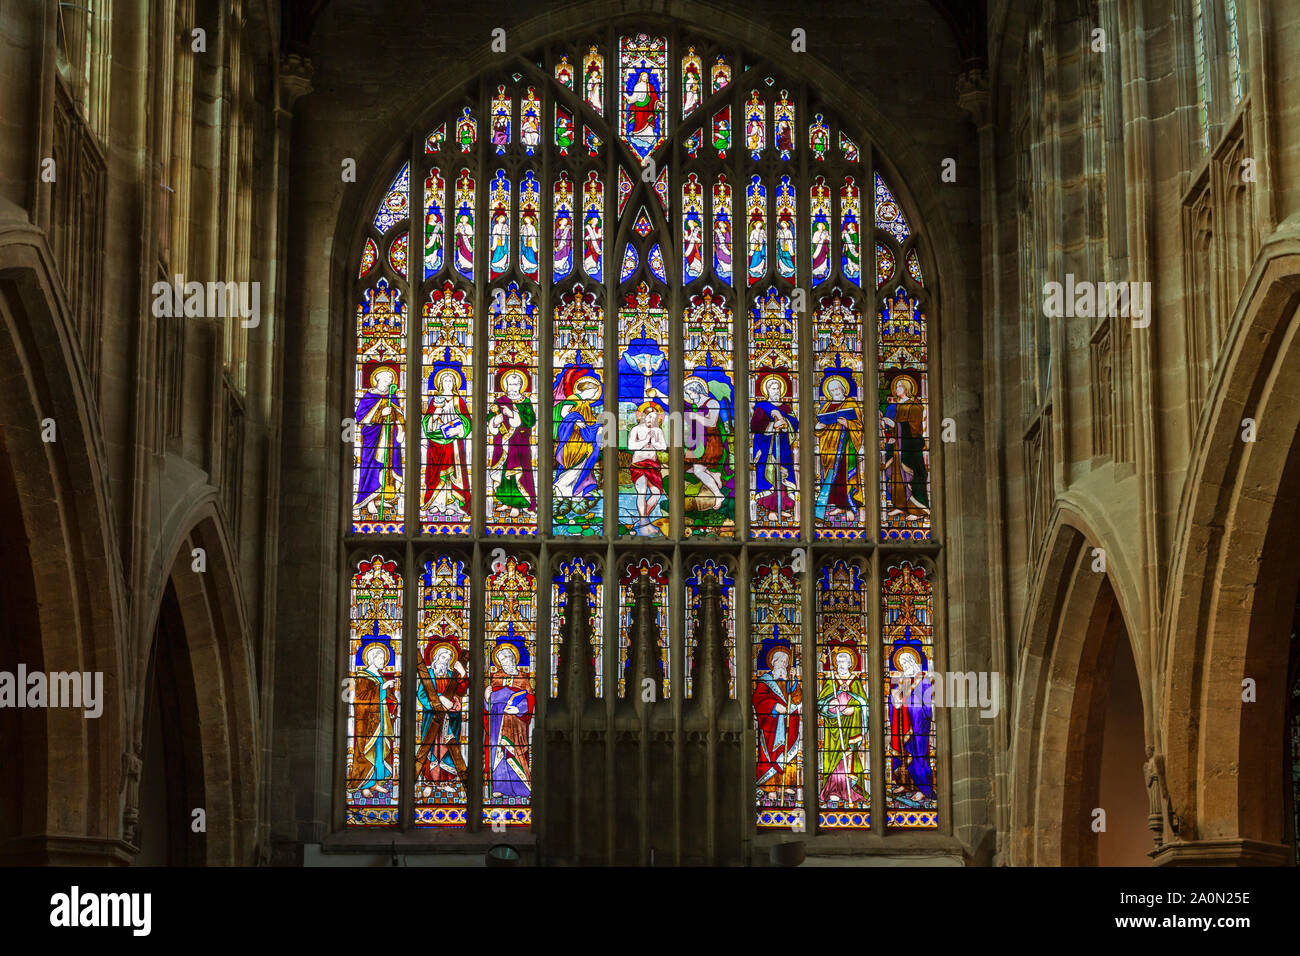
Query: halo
pixel 765 377
pixel 911 649
pixel 848 389
pixel 833 650
pixel 382 368
pixel 432 650
pixel 512 370
pixel 913 388
pixel 365 652
pixel 439 375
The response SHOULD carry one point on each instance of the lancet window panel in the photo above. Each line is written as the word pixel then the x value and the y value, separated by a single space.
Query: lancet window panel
pixel 626 336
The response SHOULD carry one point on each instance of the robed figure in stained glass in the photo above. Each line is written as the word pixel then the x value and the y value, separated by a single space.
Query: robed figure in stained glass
pixel 447 428
pixel 374 705
pixel 911 713
pixel 379 418
pixel 643 116
pixel 510 428
pixel 706 442
pixel 508 717
pixel 465 245
pixel 842 702
pixel 902 428
pixel 774 428
pixel 563 243
pixel 839 450
pixel 777 699
pixel 577 441
pixel 442 681
pixel 821 250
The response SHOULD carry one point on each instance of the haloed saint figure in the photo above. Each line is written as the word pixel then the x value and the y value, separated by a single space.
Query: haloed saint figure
pixel 508 715
pixel 380 421
pixel 443 681
pixel 777 704
pixel 374 708
pixel 906 459
pixel 911 715
pixel 446 464
pixel 510 431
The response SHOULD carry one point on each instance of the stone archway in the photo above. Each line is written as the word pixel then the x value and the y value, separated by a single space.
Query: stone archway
pixel 1075 623
pixel 200 659
pixel 1233 584
pixel 63 593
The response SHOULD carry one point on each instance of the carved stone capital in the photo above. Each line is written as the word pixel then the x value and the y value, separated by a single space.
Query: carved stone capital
pixel 295 79
pixel 973 94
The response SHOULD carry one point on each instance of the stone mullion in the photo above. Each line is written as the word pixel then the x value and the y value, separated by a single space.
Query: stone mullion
pixel 480 297
pixel 806 369
pixel 872 299
pixel 673 270
pixel 735 167
pixel 610 662
pixel 413 465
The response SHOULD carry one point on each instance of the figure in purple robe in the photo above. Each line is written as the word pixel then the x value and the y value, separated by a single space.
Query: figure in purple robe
pixel 380 421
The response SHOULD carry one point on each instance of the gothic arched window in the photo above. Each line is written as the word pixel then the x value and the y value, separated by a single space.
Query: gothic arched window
pixel 614 348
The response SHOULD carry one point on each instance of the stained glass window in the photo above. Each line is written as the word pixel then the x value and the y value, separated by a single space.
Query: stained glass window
pixel 446 428
pixel 692 82
pixel 502 107
pixel 755 125
pixel 774 418
pixel 722 131
pixel 776 639
pixel 508 709
pixel 561 615
pixel 820 239
pixel 785 229
pixel 756 208
pixel 498 454
pixel 911 798
pixel 393 209
pixel 840 512
pixel 562 244
pixel 1202 73
pixel 643 105
pixel 593 227
pixel 1235 79
pixel 692 228
pixel 914 267
pixel 379 485
pixel 655 572
pixel 709 417
pixel 725 583
pixel 578 401
pixel 372 693
pixel 722 231
pixel 563 129
pixel 783 125
pixel 843 701
pixel 435 225
pixel 442 694
pixel 368 256
pixel 530 121
pixel 512 413
pixel 643 399
pixel 624 189
pixel 850 232
pixel 884 264
pixel 593 80
pixel 529 211
pixel 888 216
pixel 499 234
pixel 904 420
pixel 465 225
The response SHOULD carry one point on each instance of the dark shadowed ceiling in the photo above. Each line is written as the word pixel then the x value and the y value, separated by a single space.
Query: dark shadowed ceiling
pixel 965 18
